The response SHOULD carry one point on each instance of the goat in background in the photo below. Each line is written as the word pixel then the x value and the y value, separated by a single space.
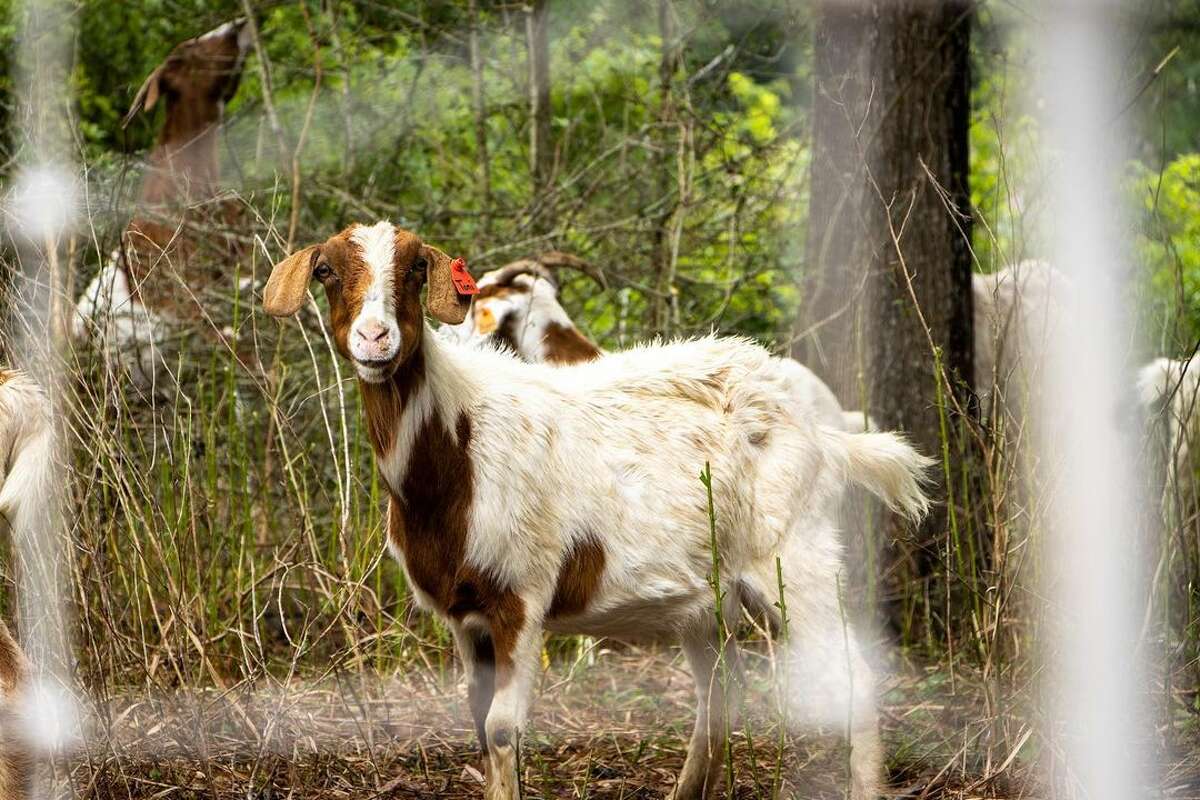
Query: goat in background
pixel 517 307
pixel 157 278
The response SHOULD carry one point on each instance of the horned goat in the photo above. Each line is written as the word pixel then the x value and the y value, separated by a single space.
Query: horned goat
pixel 517 307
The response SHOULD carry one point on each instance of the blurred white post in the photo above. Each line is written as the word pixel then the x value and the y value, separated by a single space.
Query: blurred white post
pixel 1092 529
pixel 41 210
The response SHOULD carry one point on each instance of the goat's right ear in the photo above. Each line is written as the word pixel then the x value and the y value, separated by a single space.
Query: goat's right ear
pixel 284 293
pixel 146 97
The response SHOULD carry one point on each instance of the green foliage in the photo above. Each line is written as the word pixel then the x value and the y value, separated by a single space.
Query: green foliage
pixel 700 189
pixel 1004 178
pixel 1167 244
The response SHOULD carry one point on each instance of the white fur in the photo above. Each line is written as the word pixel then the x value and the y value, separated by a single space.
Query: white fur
pixel 648 418
pixel 1169 389
pixel 1016 311
pixel 244 39
pixel 217 32
pixel 377 244
pixel 26 473
pixel 530 312
pixel 122 329
pixel 26 450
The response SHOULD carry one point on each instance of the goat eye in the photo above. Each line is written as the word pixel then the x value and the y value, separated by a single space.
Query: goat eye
pixel 322 271
pixel 420 265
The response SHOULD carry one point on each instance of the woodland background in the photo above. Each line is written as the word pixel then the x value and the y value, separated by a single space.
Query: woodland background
pixel 226 548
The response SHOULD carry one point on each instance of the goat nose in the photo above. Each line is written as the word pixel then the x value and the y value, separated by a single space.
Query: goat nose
pixel 372 331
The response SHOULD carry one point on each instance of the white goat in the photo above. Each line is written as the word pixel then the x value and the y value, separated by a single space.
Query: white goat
pixel 1168 391
pixel 1016 311
pixel 525 497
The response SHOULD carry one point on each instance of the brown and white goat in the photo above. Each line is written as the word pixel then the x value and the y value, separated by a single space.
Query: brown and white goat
pixel 162 268
pixel 526 497
pixel 517 307
pixel 26 463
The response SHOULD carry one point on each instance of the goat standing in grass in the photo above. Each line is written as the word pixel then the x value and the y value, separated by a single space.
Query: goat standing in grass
pixel 157 277
pixel 26 464
pixel 526 498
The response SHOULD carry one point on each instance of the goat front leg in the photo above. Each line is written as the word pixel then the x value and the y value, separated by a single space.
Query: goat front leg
pixel 479 662
pixel 717 694
pixel 518 656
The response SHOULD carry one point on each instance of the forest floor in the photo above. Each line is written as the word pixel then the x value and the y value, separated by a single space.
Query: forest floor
pixel 611 726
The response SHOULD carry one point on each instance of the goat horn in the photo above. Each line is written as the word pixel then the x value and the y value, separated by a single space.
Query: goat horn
pixel 556 259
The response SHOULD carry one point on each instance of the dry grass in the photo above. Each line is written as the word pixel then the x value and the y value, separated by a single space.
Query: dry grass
pixel 616 727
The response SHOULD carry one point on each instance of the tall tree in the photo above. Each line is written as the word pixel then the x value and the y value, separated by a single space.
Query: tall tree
pixel 844 221
pixel 888 247
pixel 479 107
pixel 666 195
pixel 541 154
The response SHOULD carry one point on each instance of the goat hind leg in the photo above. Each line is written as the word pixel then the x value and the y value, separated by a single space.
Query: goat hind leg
pixel 717 686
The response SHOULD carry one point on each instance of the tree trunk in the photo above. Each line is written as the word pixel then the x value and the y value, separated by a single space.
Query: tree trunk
pixel 541 155
pixel 890 156
pixel 665 179
pixel 843 223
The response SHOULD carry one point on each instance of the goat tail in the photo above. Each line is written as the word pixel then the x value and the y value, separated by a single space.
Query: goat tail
pixel 887 466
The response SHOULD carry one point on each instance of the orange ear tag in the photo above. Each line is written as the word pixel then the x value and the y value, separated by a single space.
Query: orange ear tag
pixel 463 282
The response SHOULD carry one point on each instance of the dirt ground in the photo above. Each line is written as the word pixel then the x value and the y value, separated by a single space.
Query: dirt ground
pixel 612 724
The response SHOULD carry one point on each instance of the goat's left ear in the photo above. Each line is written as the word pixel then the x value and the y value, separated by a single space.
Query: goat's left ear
pixel 146 97
pixel 446 298
pixel 284 293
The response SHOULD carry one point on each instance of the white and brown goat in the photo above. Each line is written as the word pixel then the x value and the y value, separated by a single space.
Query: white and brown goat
pixel 517 307
pixel 26 464
pixel 162 270
pixel 526 497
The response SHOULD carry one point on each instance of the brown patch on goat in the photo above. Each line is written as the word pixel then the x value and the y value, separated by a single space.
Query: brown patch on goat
pixel 12 663
pixel 578 578
pixel 506 333
pixel 500 290
pixel 566 345
pixel 197 78
pixel 160 247
pixel 346 287
pixel 428 524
